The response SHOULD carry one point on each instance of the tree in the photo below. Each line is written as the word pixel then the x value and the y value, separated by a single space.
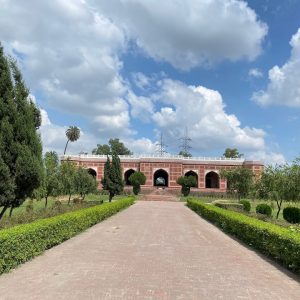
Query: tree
pixel 232 153
pixel 20 145
pixel 137 179
pixel 186 183
pixel 185 153
pixel 67 178
pixel 84 182
pixel 239 180
pixel 280 183
pixel 112 178
pixel 114 147
pixel 72 134
pixel 51 182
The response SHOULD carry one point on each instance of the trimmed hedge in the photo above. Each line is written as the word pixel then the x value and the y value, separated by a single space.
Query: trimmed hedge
pixel 246 205
pixel 229 205
pixel 278 242
pixel 291 214
pixel 264 209
pixel 21 243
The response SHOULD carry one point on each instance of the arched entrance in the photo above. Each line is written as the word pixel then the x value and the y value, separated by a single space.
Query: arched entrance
pixel 192 173
pixel 92 172
pixel 212 180
pixel 127 175
pixel 161 178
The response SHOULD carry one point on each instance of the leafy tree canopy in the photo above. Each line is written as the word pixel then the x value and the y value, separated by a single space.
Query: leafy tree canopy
pixel 232 153
pixel 20 145
pixel 137 179
pixel 239 180
pixel 72 134
pixel 186 183
pixel 114 146
pixel 185 153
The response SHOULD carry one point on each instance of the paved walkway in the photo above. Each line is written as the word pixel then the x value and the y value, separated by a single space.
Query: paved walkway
pixel 153 250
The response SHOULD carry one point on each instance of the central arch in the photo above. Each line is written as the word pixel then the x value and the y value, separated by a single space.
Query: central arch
pixel 127 175
pixel 212 180
pixel 92 172
pixel 192 173
pixel 161 178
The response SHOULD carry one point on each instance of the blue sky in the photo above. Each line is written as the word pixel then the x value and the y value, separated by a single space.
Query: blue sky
pixel 228 70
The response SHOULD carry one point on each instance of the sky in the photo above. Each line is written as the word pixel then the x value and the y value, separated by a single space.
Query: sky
pixel 228 71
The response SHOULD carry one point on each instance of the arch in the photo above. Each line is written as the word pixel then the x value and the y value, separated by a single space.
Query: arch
pixel 161 178
pixel 192 173
pixel 127 175
pixel 212 180
pixel 92 172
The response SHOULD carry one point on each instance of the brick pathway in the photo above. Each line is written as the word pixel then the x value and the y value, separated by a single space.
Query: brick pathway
pixel 153 250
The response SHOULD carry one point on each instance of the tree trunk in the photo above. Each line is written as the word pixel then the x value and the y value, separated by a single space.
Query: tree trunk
pixel 46 201
pixel 110 196
pixel 11 211
pixel 279 208
pixel 66 147
pixel 3 211
pixel 69 199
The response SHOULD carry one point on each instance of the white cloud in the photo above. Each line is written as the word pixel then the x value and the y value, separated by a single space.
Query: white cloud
pixel 69 52
pixel 256 73
pixel 202 110
pixel 190 33
pixel 284 82
pixel 268 157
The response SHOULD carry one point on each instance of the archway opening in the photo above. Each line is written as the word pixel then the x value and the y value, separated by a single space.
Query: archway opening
pixel 192 173
pixel 161 178
pixel 92 172
pixel 127 174
pixel 212 180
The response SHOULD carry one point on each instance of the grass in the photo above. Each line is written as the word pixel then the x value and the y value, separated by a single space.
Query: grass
pixel 254 203
pixel 22 215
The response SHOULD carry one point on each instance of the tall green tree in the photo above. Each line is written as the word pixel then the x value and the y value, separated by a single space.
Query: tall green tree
pixel 84 182
pixel 232 153
pixel 72 134
pixel 20 144
pixel 67 177
pixel 112 178
pixel 239 180
pixel 280 183
pixel 137 179
pixel 114 146
pixel 51 180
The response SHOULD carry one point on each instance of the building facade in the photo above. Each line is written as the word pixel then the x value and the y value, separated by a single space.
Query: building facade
pixel 163 171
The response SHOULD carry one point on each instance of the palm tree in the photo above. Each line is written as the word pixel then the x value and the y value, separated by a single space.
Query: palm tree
pixel 72 134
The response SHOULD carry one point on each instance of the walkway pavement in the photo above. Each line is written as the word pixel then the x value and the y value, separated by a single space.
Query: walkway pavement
pixel 153 250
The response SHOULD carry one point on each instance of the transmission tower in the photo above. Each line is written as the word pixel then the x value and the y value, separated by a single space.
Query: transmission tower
pixel 161 146
pixel 185 145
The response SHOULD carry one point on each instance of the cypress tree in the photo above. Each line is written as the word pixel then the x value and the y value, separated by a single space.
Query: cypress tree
pixel 112 179
pixel 20 145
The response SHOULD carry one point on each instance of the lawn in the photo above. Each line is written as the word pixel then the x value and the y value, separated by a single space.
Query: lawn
pixel 32 210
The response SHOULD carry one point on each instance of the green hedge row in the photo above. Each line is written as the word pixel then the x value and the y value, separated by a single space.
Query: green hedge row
pixel 280 243
pixel 21 243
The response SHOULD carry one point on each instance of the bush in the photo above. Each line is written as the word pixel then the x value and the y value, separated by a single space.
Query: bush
pixel 21 243
pixel 278 242
pixel 264 209
pixel 292 214
pixel 229 205
pixel 246 205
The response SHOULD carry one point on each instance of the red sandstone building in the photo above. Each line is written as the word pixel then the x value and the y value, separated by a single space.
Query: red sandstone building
pixel 169 168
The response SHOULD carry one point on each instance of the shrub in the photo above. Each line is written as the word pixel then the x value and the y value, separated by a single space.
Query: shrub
pixel 229 205
pixel 292 214
pixel 278 242
pixel 23 242
pixel 264 209
pixel 246 205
